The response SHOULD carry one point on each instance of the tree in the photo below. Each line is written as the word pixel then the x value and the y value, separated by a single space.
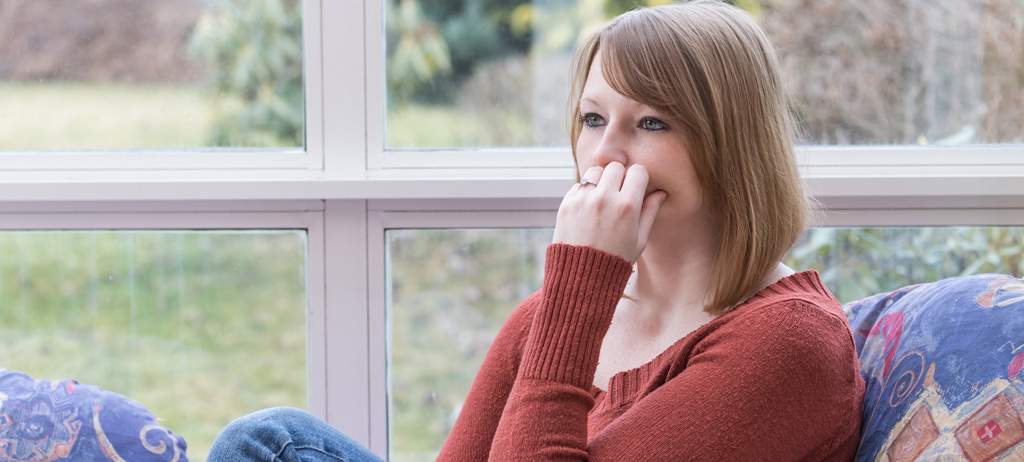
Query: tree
pixel 253 49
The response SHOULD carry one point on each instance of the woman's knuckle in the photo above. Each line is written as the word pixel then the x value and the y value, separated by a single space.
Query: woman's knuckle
pixel 640 173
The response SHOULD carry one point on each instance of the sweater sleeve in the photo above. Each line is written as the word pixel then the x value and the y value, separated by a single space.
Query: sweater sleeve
pixel 470 438
pixel 545 416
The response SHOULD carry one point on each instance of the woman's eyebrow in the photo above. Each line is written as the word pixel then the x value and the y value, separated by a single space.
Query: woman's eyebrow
pixel 638 107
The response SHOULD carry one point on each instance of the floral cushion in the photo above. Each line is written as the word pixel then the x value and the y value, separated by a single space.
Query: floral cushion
pixel 44 421
pixel 943 364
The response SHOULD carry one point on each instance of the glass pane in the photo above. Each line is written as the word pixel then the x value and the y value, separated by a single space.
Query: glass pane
pixel 857 262
pixel 200 327
pixel 442 321
pixel 947 72
pixel 482 73
pixel 173 74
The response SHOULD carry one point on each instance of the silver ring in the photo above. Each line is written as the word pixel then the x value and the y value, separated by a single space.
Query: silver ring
pixel 585 182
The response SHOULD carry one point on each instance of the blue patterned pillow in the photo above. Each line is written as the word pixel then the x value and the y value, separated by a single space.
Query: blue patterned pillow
pixel 45 421
pixel 943 364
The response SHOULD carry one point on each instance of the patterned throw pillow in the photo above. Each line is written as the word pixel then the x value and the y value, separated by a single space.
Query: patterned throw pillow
pixel 944 367
pixel 45 421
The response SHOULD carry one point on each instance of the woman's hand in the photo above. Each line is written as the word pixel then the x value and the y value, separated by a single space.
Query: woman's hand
pixel 613 216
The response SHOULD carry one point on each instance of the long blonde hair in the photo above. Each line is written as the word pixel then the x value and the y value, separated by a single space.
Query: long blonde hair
pixel 710 67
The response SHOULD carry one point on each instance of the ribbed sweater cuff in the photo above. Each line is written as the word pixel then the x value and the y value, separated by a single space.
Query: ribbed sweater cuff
pixel 582 286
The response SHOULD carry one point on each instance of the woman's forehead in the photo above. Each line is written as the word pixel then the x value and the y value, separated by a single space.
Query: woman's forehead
pixel 602 95
pixel 597 90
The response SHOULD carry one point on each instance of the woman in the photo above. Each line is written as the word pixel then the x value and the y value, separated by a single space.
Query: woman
pixel 716 350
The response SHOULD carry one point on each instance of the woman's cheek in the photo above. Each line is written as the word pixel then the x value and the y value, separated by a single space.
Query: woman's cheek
pixel 584 154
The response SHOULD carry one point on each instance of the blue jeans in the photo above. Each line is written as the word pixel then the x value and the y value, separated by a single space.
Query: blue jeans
pixel 284 434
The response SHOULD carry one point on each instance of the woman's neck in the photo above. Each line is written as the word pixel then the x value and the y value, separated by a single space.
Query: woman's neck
pixel 673 274
pixel 673 280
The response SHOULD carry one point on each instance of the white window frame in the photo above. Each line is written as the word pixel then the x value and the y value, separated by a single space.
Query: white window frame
pixel 346 189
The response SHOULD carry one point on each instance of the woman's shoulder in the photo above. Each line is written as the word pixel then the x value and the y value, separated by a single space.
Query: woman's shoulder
pixel 810 314
pixel 798 294
pixel 796 316
pixel 803 327
pixel 793 351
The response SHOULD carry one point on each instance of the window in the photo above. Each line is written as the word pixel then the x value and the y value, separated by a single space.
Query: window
pixel 442 321
pixel 200 326
pixel 367 161
pixel 493 74
pixel 175 74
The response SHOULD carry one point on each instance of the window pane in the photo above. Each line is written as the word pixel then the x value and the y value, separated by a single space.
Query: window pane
pixel 857 262
pixel 173 74
pixel 488 73
pixel 947 72
pixel 200 327
pixel 442 321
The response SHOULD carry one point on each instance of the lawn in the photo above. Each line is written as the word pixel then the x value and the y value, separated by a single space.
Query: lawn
pixel 51 116
pixel 89 116
pixel 435 126
pixel 200 327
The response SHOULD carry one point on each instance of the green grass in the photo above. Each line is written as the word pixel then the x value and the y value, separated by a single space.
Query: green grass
pixel 421 126
pixel 87 116
pixel 200 327
pixel 55 115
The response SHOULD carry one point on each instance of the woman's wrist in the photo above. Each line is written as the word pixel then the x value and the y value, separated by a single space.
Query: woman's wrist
pixel 582 286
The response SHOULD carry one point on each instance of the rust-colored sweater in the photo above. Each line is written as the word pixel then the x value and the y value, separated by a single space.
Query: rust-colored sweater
pixel 774 379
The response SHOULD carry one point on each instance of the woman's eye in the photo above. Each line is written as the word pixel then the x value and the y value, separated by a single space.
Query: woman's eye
pixel 590 119
pixel 648 123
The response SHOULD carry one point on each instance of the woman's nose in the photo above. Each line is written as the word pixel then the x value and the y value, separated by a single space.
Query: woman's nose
pixel 611 149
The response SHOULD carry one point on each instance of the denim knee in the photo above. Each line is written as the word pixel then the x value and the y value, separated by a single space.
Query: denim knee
pixel 285 434
pixel 271 423
pixel 270 418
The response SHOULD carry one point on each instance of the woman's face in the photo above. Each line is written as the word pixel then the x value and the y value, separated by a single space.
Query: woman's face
pixel 616 128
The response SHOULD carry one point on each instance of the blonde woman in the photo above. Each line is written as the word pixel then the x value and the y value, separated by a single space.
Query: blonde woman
pixel 713 349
